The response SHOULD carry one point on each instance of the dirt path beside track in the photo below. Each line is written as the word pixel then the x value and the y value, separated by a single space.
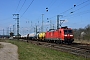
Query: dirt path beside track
pixel 8 52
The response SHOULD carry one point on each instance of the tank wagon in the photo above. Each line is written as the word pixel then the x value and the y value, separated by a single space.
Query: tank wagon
pixel 41 36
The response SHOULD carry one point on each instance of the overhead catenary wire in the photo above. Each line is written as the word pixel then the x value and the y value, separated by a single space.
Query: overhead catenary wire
pixel 27 7
pixel 71 8
pixel 82 7
pixel 77 9
pixel 22 5
pixel 17 6
pixel 78 14
pixel 75 6
pixel 83 2
pixel 15 11
pixel 52 3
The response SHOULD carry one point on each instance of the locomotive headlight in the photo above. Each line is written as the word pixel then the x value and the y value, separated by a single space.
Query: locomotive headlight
pixel 65 35
pixel 71 35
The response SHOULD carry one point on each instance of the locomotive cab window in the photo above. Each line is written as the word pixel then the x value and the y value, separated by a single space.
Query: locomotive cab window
pixel 60 31
pixel 67 31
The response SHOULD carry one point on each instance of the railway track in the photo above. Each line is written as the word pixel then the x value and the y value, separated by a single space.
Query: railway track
pixel 77 49
pixel 74 48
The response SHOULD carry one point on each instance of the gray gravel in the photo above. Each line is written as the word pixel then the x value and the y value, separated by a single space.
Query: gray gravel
pixel 8 52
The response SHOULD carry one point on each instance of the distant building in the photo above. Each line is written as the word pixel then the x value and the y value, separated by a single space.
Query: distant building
pixel 4 36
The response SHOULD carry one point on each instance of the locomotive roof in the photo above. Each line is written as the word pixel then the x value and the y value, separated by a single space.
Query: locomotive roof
pixel 58 29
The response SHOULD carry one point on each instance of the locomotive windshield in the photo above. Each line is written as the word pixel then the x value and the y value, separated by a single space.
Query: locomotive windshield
pixel 67 31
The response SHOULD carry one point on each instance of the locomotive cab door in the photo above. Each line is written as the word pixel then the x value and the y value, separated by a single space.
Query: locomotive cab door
pixel 60 37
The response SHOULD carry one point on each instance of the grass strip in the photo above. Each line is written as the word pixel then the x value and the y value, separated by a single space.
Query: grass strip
pixel 29 51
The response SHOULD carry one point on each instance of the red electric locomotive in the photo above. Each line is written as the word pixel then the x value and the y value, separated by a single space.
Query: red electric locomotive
pixel 61 35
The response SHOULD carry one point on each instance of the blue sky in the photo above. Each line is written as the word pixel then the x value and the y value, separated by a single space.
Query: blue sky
pixel 77 16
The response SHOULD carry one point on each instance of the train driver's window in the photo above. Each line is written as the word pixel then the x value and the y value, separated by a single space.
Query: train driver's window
pixel 60 31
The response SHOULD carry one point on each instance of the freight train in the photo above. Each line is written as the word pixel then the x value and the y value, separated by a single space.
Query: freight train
pixel 61 35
